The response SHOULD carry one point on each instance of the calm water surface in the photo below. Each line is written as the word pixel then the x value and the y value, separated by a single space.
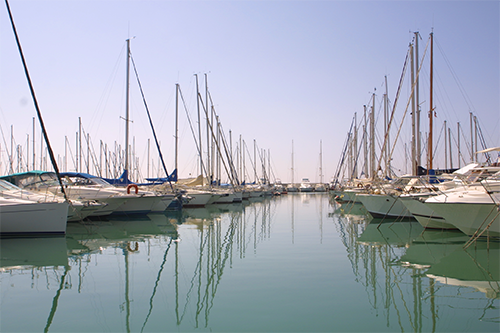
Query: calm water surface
pixel 296 263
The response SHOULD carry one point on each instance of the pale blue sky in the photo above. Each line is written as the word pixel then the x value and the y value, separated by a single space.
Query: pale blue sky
pixel 277 70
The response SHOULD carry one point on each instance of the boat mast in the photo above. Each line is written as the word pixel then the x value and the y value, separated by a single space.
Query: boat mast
pixel 431 111
pixel 413 118
pixel 417 103
pixel 355 146
pixel 292 164
pixel 386 117
pixel 176 126
pixel 365 144
pixel 34 143
pixel 209 171
pixel 321 161
pixel 471 139
pixel 127 113
pixel 458 143
pixel 199 128
pixel 373 172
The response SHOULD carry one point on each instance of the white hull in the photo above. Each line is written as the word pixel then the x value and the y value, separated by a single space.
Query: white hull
pixel 351 195
pixel 469 211
pixel 425 215
pixel 198 199
pixel 162 204
pixel 112 204
pixel 381 205
pixel 470 217
pixel 25 217
pixel 138 205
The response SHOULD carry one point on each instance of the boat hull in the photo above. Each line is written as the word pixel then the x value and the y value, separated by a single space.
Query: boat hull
pixel 380 206
pixel 470 217
pixel 428 218
pixel 24 218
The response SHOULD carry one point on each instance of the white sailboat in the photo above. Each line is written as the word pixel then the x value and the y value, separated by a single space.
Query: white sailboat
pixel 292 187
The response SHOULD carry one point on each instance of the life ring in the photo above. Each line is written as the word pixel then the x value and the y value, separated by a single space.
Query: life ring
pixel 360 185
pixel 132 186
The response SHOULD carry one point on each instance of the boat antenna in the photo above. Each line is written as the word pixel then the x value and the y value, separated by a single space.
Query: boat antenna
pixel 32 90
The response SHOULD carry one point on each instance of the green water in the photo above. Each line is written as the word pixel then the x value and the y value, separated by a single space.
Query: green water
pixel 295 263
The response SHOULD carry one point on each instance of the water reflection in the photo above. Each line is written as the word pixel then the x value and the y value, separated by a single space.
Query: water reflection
pixel 146 254
pixel 407 271
pixel 180 271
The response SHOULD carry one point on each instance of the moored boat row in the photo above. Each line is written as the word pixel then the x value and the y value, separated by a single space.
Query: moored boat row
pixel 469 201
pixel 34 203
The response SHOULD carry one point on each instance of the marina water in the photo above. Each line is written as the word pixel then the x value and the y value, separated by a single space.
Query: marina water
pixel 294 263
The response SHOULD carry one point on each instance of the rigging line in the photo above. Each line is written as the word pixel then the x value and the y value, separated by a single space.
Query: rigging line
pixel 35 102
pixel 103 99
pixel 346 144
pixel 230 175
pixel 10 156
pixel 437 141
pixel 162 266
pixel 251 161
pixel 151 123
pixel 233 176
pixel 92 152
pixel 386 136
pixel 407 105
pixel 459 84
pixel 70 152
pixel 192 131
pixel 355 166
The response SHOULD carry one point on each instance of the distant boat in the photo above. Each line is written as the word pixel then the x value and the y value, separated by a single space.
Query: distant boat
pixel 306 186
pixel 320 188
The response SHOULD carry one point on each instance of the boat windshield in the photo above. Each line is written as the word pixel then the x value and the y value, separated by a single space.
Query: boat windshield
pixel 6 186
pixel 79 181
pixel 38 181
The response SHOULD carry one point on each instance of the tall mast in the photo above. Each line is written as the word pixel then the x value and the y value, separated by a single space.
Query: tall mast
pixel 471 139
pixel 417 104
pixel 431 110
pixel 365 144
pixel 355 146
pixel 255 160
pixel 413 118
pixel 386 116
pixel 458 143
pixel 207 129
pixel 373 172
pixel 321 161
pixel 127 113
pixel 176 125
pixel 292 163
pixel 34 143
pixel 199 128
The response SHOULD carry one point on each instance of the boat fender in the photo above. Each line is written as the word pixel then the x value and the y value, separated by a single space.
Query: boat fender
pixel 132 186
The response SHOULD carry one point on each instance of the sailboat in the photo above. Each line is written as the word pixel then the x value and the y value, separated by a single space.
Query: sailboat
pixel 146 201
pixel 320 187
pixel 292 186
